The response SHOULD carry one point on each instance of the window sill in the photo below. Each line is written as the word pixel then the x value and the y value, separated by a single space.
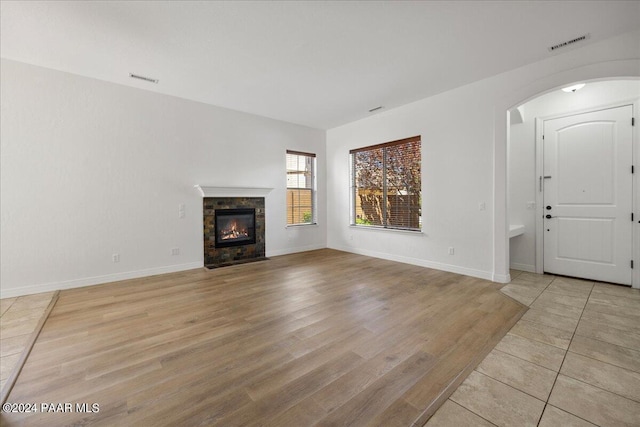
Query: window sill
pixel 387 230
pixel 314 224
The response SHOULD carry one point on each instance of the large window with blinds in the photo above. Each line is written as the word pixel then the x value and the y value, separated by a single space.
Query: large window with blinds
pixel 386 185
pixel 301 195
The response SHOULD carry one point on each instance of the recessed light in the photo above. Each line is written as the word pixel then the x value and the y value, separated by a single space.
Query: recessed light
pixel 573 88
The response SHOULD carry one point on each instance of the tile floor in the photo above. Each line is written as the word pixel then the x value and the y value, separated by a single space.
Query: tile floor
pixel 19 317
pixel 572 360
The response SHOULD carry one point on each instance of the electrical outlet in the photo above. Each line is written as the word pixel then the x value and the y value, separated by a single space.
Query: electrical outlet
pixel 451 251
pixel 115 257
pixel 175 251
pixel 482 206
pixel 531 205
pixel 181 210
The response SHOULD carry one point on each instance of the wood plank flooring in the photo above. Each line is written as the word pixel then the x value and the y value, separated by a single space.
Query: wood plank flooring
pixel 316 338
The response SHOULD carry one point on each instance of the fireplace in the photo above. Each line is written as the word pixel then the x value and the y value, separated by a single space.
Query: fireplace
pixel 235 227
pixel 234 230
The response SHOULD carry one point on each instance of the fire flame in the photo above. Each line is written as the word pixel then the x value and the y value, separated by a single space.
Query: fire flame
pixel 233 232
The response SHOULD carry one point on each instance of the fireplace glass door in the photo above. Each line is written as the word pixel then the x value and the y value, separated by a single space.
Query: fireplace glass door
pixel 235 227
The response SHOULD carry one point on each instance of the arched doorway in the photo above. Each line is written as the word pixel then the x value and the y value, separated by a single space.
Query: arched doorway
pixel 572 226
pixel 610 70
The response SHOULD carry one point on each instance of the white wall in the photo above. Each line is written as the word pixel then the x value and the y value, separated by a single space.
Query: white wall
pixel 90 168
pixel 456 177
pixel 464 133
pixel 523 184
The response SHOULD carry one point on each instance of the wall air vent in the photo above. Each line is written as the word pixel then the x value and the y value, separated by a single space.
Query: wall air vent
pixel 569 42
pixel 146 79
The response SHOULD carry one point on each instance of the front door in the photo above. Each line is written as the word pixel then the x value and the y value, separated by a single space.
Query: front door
pixel 588 195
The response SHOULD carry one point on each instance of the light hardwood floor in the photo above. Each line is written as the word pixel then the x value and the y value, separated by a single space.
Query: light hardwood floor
pixel 317 338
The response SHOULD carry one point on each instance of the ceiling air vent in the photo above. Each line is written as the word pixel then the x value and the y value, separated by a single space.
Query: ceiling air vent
pixel 569 42
pixel 146 79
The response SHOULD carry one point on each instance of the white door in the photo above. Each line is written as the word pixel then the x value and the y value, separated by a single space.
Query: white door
pixel 588 195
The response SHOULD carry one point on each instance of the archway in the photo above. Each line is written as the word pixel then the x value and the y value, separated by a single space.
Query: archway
pixel 610 70
pixel 526 183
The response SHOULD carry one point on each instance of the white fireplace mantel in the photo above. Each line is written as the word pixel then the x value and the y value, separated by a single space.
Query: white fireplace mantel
pixel 209 191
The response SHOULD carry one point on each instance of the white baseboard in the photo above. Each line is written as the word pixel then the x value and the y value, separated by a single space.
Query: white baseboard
pixel 487 275
pixel 295 250
pixel 523 267
pixel 96 280
pixel 501 278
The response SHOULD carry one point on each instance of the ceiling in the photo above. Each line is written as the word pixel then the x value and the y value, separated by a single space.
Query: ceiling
pixel 318 64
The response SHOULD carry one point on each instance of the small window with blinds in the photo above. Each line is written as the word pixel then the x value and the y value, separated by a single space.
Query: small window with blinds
pixel 386 185
pixel 301 178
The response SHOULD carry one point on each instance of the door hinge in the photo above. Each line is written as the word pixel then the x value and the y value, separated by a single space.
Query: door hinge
pixel 633 121
pixel 631 216
pixel 633 169
pixel 631 263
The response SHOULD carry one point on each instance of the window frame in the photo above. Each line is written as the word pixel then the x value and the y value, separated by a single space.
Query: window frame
pixel 312 188
pixel 384 197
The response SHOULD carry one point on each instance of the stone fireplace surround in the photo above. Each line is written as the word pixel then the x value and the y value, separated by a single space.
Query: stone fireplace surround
pixel 232 198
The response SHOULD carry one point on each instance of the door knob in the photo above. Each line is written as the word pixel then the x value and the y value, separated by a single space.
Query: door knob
pixel 548 208
pixel 549 216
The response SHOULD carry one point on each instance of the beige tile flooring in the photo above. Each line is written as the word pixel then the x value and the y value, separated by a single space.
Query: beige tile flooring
pixel 19 317
pixel 572 360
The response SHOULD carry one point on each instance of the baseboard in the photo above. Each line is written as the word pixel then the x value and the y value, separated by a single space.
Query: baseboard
pixel 487 275
pixel 523 267
pixel 96 280
pixel 501 278
pixel 294 250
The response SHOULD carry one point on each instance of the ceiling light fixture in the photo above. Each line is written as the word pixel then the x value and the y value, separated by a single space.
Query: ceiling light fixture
pixel 573 88
pixel 146 79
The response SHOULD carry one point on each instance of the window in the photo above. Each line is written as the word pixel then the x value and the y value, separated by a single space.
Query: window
pixel 386 185
pixel 301 188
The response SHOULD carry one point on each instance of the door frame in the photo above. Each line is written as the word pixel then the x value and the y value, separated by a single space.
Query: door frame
pixel 635 203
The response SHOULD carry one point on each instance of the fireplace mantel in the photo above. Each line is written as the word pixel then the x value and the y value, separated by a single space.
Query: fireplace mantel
pixel 209 191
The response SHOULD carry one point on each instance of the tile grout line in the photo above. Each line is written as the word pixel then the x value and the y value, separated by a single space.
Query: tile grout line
pixel 541 292
pixel 510 386
pixel 525 360
pixel 546 326
pixel 565 354
pixel 560 409
pixel 456 403
pixel 600 388
pixel 608 343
